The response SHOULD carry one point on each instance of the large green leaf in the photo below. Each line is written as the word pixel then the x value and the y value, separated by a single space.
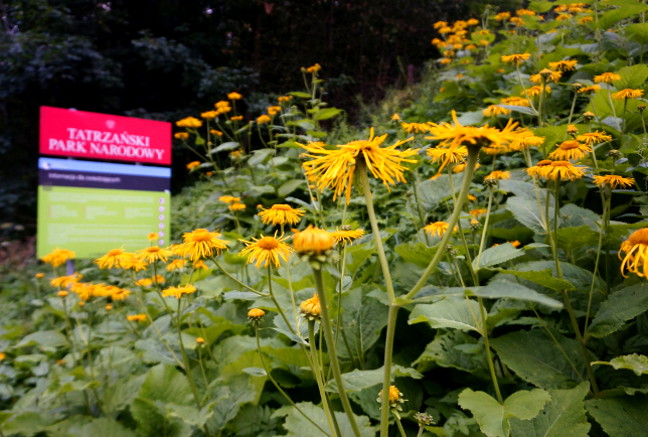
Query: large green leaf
pixel 493 417
pixel 525 210
pixel 448 313
pixel 563 416
pixel 633 76
pixel 535 358
pixel 357 380
pixel 497 255
pixel 104 427
pixel 326 113
pixel 298 426
pixel 456 349
pixel 621 306
pixel 363 319
pixel 638 32
pixel 46 338
pixel 515 291
pixel 432 192
pixel 627 9
pixel 416 253
pixel 543 277
pixel 635 362
pixel 620 417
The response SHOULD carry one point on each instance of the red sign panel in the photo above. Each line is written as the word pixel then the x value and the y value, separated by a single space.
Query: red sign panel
pixel 73 133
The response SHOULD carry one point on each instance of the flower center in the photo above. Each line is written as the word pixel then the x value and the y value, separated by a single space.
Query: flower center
pixel 639 237
pixel 567 145
pixel 561 164
pixel 281 207
pixel 268 243
pixel 545 162
pixel 115 252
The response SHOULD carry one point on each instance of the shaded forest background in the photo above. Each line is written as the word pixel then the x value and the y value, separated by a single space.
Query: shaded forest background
pixel 167 59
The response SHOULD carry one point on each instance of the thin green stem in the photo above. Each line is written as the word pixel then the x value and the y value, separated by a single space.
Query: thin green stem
pixel 400 427
pixel 473 153
pixel 242 284
pixel 185 359
pixel 489 356
pixel 606 195
pixel 318 378
pixel 482 243
pixel 333 358
pixel 278 387
pixel 392 313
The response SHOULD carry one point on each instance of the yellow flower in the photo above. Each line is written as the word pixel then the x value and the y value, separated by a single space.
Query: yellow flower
pixel 181 135
pixel 152 236
pixel 176 264
pixel 178 292
pixel 536 90
pixel 274 110
pixel 497 175
pixel 627 93
pixel 144 282
pixel 313 240
pixel 284 99
pixel 191 122
pixel 216 132
pixel 39 275
pixel 566 65
pixel 66 281
pixel 62 293
pixel 395 398
pixel 229 199
pixel 120 294
pixel 592 138
pixel 572 129
pixel 200 243
pixel 209 115
pixel 477 212
pixel 613 181
pixel 314 68
pixel 516 101
pixel 588 89
pixel 281 214
pixel 116 258
pixel 556 170
pixel 336 168
pixel 436 229
pixel 461 167
pixel 192 165
pixel 395 117
pixel 523 12
pixel 311 308
pixel 266 251
pixel 516 58
pixel 200 264
pixel 58 257
pixel 154 253
pixel 238 206
pixel 546 75
pixel 494 110
pixel 441 154
pixel 234 96
pixel 347 236
pixel 414 128
pixel 570 149
pixel 3 356
pixel 636 254
pixel 255 314
pixel 262 119
pixel 607 78
pixel 136 318
pixel 502 16
pixel 236 118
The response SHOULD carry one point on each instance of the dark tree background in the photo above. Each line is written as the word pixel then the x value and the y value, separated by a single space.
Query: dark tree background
pixel 167 59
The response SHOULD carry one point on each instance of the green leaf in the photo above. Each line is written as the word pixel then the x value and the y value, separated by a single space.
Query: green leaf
pixel 453 348
pixel 493 417
pixel 357 380
pixel 104 427
pixel 620 306
pixel 230 145
pixel 432 192
pixel 633 76
pixel 522 109
pixel 543 277
pixel 635 362
pixel 289 186
pixel 301 94
pixel 447 313
pixel 260 156
pixel 611 17
pixel 620 417
pixel 298 426
pixel 363 319
pixel 48 338
pixel 638 32
pixel 563 416
pixel 416 253
pixel 525 210
pixel 515 291
pixel 497 255
pixel 535 358
pixel 326 113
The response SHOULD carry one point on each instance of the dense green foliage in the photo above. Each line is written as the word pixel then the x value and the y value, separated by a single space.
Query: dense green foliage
pixel 528 318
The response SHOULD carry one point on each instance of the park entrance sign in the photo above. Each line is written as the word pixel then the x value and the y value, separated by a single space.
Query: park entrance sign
pixel 80 134
pixel 91 207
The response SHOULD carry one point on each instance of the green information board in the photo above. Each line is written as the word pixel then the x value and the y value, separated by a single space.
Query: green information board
pixel 91 220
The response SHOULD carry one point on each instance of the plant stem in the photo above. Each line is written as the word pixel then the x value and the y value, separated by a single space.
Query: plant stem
pixel 318 378
pixel 400 427
pixel 278 387
pixel 333 358
pixel 185 359
pixel 489 356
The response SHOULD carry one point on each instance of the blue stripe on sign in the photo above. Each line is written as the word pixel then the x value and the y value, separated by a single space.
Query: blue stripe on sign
pixel 102 167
